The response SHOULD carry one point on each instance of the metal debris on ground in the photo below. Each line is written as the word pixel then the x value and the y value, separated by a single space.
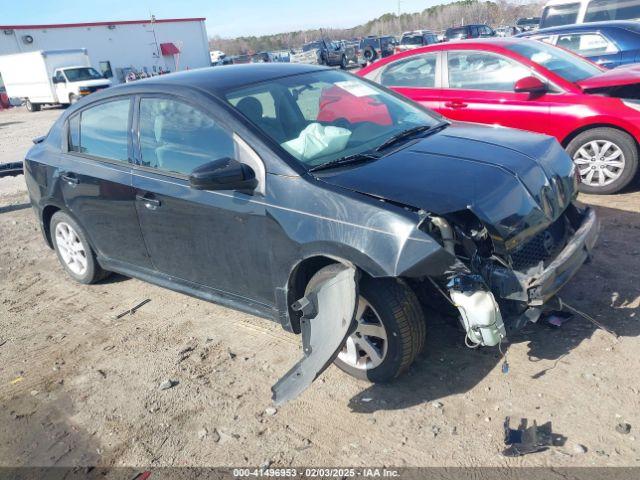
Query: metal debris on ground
pixel 623 428
pixel 525 439
pixel 586 316
pixel 167 384
pixel 133 309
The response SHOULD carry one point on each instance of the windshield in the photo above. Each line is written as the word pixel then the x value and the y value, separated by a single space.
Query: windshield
pixel 562 63
pixel 323 116
pixel 456 32
pixel 311 46
pixel 604 10
pixel 79 74
pixel 528 22
pixel 557 15
pixel 412 40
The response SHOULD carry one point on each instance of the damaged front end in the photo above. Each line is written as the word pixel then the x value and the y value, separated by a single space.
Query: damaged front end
pixel 500 291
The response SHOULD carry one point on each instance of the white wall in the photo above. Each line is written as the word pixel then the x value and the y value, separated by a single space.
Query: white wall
pixel 125 46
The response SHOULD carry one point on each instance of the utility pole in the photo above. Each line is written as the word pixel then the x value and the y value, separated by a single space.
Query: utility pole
pixel 399 7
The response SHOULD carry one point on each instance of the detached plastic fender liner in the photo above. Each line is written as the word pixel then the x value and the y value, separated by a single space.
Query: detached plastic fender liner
pixel 328 318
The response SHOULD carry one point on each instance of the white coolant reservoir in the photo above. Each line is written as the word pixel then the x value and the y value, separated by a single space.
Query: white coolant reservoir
pixel 480 316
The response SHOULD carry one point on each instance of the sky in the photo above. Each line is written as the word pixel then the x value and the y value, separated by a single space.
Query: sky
pixel 225 18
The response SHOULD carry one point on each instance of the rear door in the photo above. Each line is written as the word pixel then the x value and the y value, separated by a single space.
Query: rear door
pixel 416 77
pixel 479 87
pixel 95 179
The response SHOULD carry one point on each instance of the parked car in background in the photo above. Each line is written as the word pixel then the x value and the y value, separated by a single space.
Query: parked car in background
pixel 507 31
pixel 50 77
pixel 287 192
pixel 415 39
pixel 469 31
pixel 567 12
pixel 609 44
pixel 325 52
pixel 373 48
pixel 528 24
pixel 516 82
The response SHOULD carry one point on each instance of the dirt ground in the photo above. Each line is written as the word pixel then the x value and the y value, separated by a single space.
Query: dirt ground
pixel 80 387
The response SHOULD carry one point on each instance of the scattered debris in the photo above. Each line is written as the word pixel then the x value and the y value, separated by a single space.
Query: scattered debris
pixel 167 384
pixel 271 411
pixel 231 354
pixel 16 380
pixel 102 373
pixel 437 405
pixel 133 309
pixel 203 433
pixel 525 439
pixel 2 342
pixel 34 393
pixel 215 436
pixel 366 399
pixel 578 449
pixel 623 428
pixel 587 317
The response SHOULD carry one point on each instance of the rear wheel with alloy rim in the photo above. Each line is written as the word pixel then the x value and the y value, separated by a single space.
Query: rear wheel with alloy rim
pixel 73 250
pixel 606 159
pixel 390 329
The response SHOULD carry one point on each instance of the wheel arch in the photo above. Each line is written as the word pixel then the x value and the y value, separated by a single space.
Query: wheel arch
pixel 584 128
pixel 47 213
pixel 299 278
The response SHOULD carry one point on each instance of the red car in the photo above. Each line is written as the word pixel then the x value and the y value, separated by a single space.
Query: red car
pixel 594 113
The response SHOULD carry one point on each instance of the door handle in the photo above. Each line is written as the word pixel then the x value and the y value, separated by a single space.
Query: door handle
pixel 70 178
pixel 150 203
pixel 456 104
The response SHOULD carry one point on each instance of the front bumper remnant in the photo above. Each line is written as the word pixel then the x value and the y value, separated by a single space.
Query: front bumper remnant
pixel 538 285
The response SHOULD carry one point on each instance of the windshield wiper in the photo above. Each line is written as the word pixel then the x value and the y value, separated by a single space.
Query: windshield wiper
pixel 428 130
pixel 348 160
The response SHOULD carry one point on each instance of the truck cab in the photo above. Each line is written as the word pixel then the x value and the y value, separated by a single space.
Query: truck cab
pixel 72 83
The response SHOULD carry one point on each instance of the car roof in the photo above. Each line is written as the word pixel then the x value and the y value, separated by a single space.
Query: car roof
pixel 219 80
pixel 627 25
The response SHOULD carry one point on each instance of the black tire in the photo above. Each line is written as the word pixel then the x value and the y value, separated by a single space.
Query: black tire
pixel 370 54
pixel 343 62
pixel 94 272
pixel 32 107
pixel 618 138
pixel 401 315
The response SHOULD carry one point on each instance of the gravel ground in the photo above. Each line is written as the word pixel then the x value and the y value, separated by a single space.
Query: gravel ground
pixel 80 387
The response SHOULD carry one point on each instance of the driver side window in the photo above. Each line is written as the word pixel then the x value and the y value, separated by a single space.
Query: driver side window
pixel 176 137
pixel 483 71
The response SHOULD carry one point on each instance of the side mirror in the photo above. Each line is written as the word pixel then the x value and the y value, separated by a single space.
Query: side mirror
pixel 55 80
pixel 223 174
pixel 531 85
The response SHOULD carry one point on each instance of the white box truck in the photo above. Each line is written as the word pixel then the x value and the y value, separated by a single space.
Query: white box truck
pixel 50 77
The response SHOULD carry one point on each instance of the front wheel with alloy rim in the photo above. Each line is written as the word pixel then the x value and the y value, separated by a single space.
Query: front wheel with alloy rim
pixel 73 250
pixel 390 330
pixel 606 159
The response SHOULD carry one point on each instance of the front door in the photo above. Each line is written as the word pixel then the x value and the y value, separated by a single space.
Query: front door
pixel 415 77
pixel 95 180
pixel 208 238
pixel 479 87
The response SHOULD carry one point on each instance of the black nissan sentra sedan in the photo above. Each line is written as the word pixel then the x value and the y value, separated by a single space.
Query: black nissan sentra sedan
pixel 317 199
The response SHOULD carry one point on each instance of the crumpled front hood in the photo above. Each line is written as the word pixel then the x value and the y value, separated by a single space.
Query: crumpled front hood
pixel 515 182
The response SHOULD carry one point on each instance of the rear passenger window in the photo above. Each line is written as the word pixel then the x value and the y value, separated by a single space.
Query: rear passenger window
pixel 176 137
pixel 101 131
pixel 415 71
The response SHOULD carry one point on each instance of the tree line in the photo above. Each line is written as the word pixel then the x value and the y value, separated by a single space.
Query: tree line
pixel 436 18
